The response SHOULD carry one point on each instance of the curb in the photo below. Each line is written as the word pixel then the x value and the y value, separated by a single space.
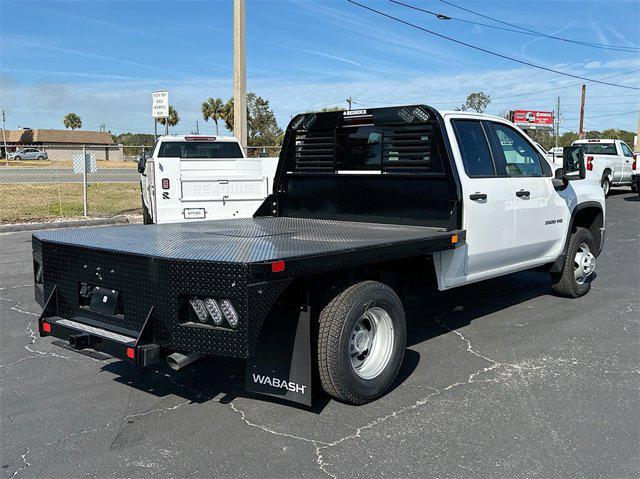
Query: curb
pixel 117 220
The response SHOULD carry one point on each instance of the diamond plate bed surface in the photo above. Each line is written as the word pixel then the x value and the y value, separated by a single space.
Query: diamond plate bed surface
pixel 241 240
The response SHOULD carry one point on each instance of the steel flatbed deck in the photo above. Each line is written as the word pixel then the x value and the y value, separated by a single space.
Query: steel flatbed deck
pixel 258 242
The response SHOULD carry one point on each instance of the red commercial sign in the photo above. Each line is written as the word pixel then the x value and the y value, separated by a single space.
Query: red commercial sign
pixel 532 118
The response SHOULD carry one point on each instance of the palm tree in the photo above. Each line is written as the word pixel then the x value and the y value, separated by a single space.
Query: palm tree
pixel 213 108
pixel 173 117
pixel 73 121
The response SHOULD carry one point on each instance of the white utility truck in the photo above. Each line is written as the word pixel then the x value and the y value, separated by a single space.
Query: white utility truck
pixel 609 162
pixel 369 207
pixel 196 177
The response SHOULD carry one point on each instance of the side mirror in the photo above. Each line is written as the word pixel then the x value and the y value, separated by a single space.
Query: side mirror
pixel 142 163
pixel 573 163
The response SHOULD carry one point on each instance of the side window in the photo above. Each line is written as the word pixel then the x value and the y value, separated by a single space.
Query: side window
pixel 474 148
pixel 626 151
pixel 520 156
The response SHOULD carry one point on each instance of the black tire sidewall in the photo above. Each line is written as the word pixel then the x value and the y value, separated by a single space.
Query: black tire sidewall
pixel 602 182
pixel 582 235
pixel 384 298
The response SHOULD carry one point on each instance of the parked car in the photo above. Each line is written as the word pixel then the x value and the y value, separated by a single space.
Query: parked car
pixel 193 177
pixel 369 206
pixel 28 154
pixel 608 161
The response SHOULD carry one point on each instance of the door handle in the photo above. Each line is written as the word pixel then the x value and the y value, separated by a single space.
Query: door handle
pixel 478 196
pixel 523 194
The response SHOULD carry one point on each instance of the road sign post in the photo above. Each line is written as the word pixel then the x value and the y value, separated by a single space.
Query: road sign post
pixel 85 163
pixel 160 109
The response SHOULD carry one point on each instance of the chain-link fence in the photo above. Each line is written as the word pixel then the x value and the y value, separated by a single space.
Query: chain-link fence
pixel 50 188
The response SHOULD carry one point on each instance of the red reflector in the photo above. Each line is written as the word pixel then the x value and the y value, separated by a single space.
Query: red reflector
pixel 590 163
pixel 277 266
pixel 131 353
pixel 46 327
pixel 165 183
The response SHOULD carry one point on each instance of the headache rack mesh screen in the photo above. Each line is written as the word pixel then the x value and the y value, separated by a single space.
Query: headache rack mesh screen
pixel 314 150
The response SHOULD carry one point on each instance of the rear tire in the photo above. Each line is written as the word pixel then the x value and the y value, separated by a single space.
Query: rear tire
pixel 606 186
pixel 41 158
pixel 575 280
pixel 361 342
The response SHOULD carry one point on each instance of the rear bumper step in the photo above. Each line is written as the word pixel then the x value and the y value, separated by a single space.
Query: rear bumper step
pixel 82 336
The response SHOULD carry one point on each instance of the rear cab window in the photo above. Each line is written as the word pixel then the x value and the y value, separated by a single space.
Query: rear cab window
pixel 598 148
pixel 199 149
pixel 364 147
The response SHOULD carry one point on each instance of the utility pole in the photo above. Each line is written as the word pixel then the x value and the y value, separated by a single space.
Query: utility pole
pixel 197 128
pixel 635 148
pixel 239 73
pixel 581 134
pixel 349 101
pixel 557 122
pixel 4 139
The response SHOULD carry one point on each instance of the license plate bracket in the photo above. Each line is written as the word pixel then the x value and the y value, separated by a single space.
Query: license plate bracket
pixel 105 301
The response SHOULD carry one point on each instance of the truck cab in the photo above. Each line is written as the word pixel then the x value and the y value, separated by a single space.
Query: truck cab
pixel 609 162
pixel 192 177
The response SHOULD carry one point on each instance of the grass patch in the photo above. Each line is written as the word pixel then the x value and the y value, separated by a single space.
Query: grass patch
pixel 66 164
pixel 35 202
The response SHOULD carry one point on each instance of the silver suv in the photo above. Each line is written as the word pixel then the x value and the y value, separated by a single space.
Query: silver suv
pixel 28 154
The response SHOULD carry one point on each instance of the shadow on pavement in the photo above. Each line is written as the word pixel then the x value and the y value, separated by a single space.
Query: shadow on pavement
pixel 222 378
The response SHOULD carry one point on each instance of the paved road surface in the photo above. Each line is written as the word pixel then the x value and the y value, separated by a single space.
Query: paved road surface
pixel 65 175
pixel 501 379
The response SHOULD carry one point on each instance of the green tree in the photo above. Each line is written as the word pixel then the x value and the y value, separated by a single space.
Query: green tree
pixel 173 119
pixel 477 101
pixel 261 121
pixel 213 109
pixel 73 121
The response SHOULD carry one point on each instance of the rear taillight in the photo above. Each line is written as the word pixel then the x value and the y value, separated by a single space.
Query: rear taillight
pixel 633 165
pixel 590 163
pixel 165 183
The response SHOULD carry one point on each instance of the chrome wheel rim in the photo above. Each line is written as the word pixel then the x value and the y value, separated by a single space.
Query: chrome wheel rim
pixel 584 263
pixel 371 343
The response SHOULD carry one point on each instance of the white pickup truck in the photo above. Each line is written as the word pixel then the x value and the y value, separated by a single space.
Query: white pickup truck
pixel 368 207
pixel 609 162
pixel 196 177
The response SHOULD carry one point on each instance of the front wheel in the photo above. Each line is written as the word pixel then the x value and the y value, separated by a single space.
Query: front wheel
pixel 579 266
pixel 18 158
pixel 361 341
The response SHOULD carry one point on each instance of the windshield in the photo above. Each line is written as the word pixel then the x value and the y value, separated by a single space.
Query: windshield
pixel 598 148
pixel 199 149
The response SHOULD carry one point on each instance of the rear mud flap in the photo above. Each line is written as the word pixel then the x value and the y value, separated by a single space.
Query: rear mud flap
pixel 281 363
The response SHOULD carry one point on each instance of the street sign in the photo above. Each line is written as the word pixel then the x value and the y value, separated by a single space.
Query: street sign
pixel 89 163
pixel 532 119
pixel 160 104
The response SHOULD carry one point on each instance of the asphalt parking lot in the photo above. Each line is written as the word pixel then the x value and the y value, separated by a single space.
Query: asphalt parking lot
pixel 500 379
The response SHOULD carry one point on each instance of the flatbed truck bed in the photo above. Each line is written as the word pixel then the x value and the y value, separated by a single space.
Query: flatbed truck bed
pixel 300 242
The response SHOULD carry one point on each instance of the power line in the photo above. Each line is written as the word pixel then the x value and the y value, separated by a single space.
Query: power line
pixel 579 42
pixel 490 52
pixel 602 116
pixel 441 16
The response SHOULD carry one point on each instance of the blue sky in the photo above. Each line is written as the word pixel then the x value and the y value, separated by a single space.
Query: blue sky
pixel 102 59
